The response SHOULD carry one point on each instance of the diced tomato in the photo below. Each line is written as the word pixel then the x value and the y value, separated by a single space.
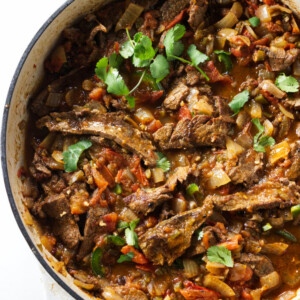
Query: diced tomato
pixel 248 35
pixel 233 243
pixel 137 170
pixel 117 47
pixel 101 184
pixel 184 113
pixel 138 257
pixel 269 2
pixel 21 172
pixel 112 156
pixel 241 51
pixel 176 20
pixel 205 240
pixel 246 295
pixel 111 221
pixel 261 42
pixel 156 95
pixel 196 292
pixel 97 94
pixel 214 75
pixel 224 190
pixel 269 97
pixel 240 273
pixel 106 174
pixel 154 126
pixel 289 46
pixel 135 187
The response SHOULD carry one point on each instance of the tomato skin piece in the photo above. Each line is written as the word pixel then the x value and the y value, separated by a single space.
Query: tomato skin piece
pixel 184 113
pixel 138 258
pixel 196 292
pixel 111 221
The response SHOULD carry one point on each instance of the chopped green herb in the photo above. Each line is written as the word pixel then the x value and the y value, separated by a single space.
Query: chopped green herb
pixel 192 189
pixel 220 254
pixel 127 49
pixel 267 227
pixel 173 46
pixel 224 57
pixel 254 21
pixel 160 68
pixel 133 224
pixel 118 189
pixel 295 210
pixel 96 265
pixel 72 155
pixel 288 84
pixel 126 257
pixel 144 50
pixel 115 61
pixel 115 83
pixel 287 235
pixel 115 239
pixel 196 56
pixel 239 101
pixel 131 101
pixel 101 68
pixel 130 235
pixel 163 162
pixel 122 225
pixel 259 141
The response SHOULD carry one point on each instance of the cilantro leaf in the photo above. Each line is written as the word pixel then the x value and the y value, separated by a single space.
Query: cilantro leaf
pixel 288 84
pixel 131 237
pixel 122 225
pixel 115 83
pixel 160 68
pixel 173 46
pixel 224 57
pixel 115 239
pixel 133 224
pixel 259 141
pixel 144 50
pixel 101 68
pixel 131 101
pixel 115 60
pixel 163 162
pixel 221 255
pixel 137 37
pixel 254 22
pixel 126 50
pixel 239 101
pixel 72 155
pixel 126 257
pixel 196 56
pixel 139 63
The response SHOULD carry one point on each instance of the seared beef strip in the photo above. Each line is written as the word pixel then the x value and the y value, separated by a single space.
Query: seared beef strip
pixel 293 172
pixel 145 201
pixel 169 239
pixel 108 125
pixel 175 96
pixel 264 195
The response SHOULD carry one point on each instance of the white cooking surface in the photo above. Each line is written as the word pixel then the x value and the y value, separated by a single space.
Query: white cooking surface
pixel 21 275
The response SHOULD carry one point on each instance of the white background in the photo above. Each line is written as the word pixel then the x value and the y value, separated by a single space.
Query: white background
pixel 21 275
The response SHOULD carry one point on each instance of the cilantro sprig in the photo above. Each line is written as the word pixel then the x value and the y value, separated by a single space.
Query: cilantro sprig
pixel 260 140
pixel 224 57
pixel 239 101
pixel 288 84
pixel 220 254
pixel 126 257
pixel 72 155
pixel 162 162
pixel 130 235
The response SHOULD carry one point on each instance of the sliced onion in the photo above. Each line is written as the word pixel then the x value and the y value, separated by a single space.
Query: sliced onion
pixel 279 42
pixel 285 112
pixel 227 32
pixel 218 179
pixel 251 31
pixel 220 42
pixel 277 9
pixel 269 128
pixel 144 115
pixel 263 13
pixel 228 21
pixel 48 140
pixel 269 86
pixel 275 248
pixel 110 294
pixel 287 295
pixel 270 281
pixel 132 12
pixel 233 148
pixel 86 286
pixel 279 151
pixel 214 283
pixel 158 175
pixel 237 9
pixel 215 268
pixel 127 215
pixel 191 268
pixel 296 67
pixel 255 110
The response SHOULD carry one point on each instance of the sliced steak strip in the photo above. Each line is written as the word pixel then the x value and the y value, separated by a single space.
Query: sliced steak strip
pixel 262 196
pixel 293 172
pixel 57 207
pixel 145 201
pixel 108 125
pixel 175 96
pixel 250 164
pixel 169 239
pixel 92 228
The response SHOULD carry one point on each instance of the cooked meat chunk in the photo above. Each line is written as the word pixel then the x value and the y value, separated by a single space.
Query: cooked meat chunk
pixel 92 229
pixel 145 201
pixel 54 185
pixel 171 8
pixel 260 264
pixel 169 239
pixel 293 172
pixel 250 164
pixel 262 196
pixel 108 125
pixel 57 207
pixel 175 97
pixel 197 13
pixel 38 169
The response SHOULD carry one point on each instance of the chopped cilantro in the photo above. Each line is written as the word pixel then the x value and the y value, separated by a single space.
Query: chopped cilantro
pixel 239 101
pixel 220 254
pixel 196 56
pixel 288 84
pixel 130 235
pixel 122 225
pixel 259 141
pixel 131 101
pixel 163 162
pixel 173 46
pixel 254 21
pixel 224 57
pixel 72 155
pixel 126 257
pixel 160 68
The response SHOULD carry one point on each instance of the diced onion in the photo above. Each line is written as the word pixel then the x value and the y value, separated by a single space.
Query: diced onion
pixel 287 295
pixel 242 119
pixel 263 13
pixel 275 248
pixel 110 294
pixel 220 42
pixel 191 268
pixel 269 86
pixel 237 9
pixel 285 112
pixel 279 151
pixel 76 176
pixel 256 294
pixel 228 21
pixel 270 281
pixel 279 42
pixel 296 67
pixel 277 9
pixel 215 268
pixel 233 148
pixel 269 128
pixel 144 115
pixel 203 107
pixel 127 215
pixel 255 110
pixel 218 179
pixel 158 175
pixel 132 12
pixel 227 32
pixel 214 283
pixel 83 285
